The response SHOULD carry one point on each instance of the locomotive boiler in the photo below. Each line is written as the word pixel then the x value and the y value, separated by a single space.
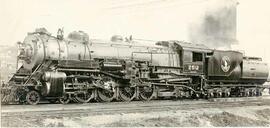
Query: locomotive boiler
pixel 80 69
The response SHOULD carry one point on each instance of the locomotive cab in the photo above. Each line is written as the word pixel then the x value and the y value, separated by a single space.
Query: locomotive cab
pixel 192 57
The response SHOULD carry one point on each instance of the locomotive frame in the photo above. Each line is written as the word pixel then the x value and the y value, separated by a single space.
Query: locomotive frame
pixel 78 69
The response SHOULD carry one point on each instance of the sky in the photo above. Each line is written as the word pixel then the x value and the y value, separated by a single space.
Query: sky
pixel 144 19
pixel 253 27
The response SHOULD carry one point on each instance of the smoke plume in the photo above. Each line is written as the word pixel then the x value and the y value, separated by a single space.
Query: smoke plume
pixel 217 28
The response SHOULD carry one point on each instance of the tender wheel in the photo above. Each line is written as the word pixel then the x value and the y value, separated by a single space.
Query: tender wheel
pixel 210 95
pixel 216 95
pixel 247 94
pixel 104 95
pixel 33 97
pixel 253 93
pixel 127 93
pixel 228 94
pixel 258 92
pixel 146 93
pixel 84 97
pixel 65 99
pixel 219 94
pixel 242 94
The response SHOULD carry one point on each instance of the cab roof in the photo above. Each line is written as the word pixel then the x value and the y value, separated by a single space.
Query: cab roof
pixel 186 46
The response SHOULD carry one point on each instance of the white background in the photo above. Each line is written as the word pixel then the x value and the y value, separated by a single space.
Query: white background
pixel 145 19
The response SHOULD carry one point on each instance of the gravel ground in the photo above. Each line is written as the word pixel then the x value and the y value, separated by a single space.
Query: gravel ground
pixel 186 114
pixel 248 116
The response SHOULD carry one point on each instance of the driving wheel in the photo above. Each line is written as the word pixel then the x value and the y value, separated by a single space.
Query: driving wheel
pixel 84 97
pixel 127 93
pixel 146 93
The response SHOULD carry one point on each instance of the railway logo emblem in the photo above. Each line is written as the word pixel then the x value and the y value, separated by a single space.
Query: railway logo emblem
pixel 225 63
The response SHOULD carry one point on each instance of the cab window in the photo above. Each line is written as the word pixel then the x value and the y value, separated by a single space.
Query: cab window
pixel 197 56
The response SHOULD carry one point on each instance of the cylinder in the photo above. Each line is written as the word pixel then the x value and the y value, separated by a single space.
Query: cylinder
pixel 54 84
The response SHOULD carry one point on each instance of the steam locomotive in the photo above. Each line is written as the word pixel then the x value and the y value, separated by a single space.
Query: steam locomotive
pixel 80 69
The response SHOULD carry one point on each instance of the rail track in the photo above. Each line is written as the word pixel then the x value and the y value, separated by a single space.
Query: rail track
pixel 128 107
pixel 136 113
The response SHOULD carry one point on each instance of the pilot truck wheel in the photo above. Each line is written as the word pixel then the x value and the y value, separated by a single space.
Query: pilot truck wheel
pixel 33 97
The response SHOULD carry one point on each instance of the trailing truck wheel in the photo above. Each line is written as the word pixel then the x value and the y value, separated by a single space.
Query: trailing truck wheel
pixel 65 99
pixel 104 95
pixel 84 97
pixel 127 94
pixel 32 97
pixel 146 93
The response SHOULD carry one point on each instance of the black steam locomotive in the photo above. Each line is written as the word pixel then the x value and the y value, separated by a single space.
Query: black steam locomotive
pixel 80 69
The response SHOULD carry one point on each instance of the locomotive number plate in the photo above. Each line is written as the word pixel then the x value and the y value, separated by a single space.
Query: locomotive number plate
pixel 193 67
